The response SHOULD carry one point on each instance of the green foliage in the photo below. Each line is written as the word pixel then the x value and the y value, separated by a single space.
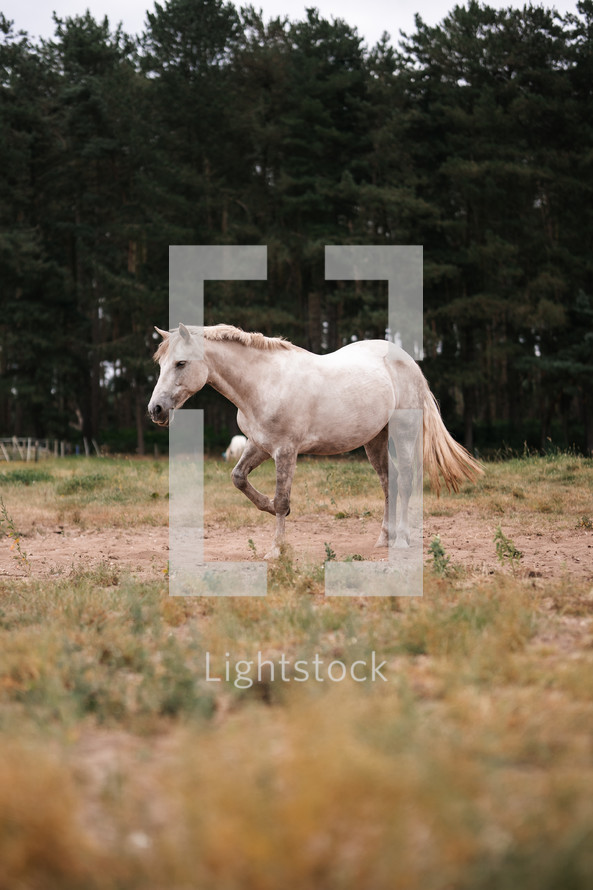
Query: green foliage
pixel 506 551
pixel 73 659
pixel 440 559
pixel 82 483
pixel 330 553
pixel 25 477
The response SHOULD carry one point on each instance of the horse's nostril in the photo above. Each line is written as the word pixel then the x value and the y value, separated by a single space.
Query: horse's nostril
pixel 157 410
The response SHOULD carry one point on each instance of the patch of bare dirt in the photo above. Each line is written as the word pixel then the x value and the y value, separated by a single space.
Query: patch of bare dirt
pixel 61 551
pixel 547 554
pixel 465 536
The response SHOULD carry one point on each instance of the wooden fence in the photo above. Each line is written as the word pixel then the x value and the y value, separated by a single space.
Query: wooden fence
pixel 19 448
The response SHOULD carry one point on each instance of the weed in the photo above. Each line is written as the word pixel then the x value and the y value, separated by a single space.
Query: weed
pixel 7 522
pixel 252 547
pixel 330 553
pixel 506 550
pixel 310 580
pixel 329 480
pixel 309 500
pixel 440 560
pixel 281 571
pixel 585 522
pixel 177 689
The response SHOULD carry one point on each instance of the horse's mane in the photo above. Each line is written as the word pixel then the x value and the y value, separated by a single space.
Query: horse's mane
pixel 230 332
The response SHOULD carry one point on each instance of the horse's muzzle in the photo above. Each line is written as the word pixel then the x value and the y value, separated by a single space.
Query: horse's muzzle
pixel 158 415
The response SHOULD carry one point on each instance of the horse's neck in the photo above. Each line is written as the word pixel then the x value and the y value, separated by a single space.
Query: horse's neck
pixel 234 370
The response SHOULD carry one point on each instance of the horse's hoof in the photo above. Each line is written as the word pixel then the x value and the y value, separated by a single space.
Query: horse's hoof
pixel 274 553
pixel 402 544
pixel 382 542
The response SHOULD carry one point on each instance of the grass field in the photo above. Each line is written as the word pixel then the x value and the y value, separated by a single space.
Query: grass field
pixel 123 765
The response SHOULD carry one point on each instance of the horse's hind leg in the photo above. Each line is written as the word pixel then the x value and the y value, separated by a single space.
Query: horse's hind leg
pixel 251 458
pixel 406 429
pixel 378 455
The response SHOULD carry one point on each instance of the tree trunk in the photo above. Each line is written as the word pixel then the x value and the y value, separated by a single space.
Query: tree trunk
pixel 95 383
pixel 334 312
pixel 564 413
pixel 546 423
pixel 314 314
pixel 4 399
pixel 139 406
pixel 588 402
pixel 468 417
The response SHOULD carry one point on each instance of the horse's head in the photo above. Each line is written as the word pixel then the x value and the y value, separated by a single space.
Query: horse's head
pixel 183 372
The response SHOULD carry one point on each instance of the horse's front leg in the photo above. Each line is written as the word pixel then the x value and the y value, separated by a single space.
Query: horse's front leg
pixel 251 458
pixel 285 467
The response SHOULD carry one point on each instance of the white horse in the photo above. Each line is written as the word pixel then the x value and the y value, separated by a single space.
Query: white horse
pixel 235 449
pixel 294 402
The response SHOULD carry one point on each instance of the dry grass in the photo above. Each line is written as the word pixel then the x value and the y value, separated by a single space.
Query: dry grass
pixel 122 766
pixel 42 844
pixel 86 493
pixel 543 493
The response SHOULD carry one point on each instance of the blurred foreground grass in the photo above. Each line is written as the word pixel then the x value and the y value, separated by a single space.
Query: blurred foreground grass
pixel 123 766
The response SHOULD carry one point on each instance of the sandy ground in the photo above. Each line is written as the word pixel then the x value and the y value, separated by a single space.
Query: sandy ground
pixel 551 553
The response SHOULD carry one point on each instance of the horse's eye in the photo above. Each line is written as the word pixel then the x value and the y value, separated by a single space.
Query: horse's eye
pixel 181 364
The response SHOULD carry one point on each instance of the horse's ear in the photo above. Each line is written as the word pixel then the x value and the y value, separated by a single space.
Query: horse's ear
pixel 184 333
pixel 164 334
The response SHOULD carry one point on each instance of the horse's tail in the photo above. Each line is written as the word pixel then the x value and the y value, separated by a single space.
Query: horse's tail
pixel 443 456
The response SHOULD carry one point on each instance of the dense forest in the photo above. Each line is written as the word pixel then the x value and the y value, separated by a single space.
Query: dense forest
pixel 473 138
